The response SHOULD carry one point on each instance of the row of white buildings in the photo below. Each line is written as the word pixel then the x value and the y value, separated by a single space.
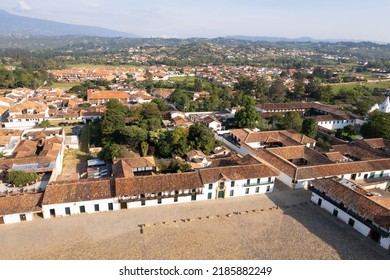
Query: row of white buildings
pixel 364 164
pixel 124 190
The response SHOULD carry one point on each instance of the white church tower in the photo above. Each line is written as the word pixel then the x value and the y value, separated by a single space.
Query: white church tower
pixel 383 107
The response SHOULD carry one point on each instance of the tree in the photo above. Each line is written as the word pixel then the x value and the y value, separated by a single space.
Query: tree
pixel 180 167
pixel 362 107
pixel 339 133
pixel 378 126
pixel 150 110
pixel 247 117
pixel 164 147
pixel 111 151
pixel 144 148
pixel 245 84
pixel 21 178
pixel 312 87
pixel 180 100
pixel 96 133
pixel 293 120
pixel 150 117
pixel 325 93
pixel 113 120
pixel 134 135
pixel 309 127
pixel 198 85
pixel 299 90
pixel 161 104
pixel 44 124
pixel 277 91
pixel 81 90
pixel 201 138
pixel 179 142
pixel 262 89
pixel 349 130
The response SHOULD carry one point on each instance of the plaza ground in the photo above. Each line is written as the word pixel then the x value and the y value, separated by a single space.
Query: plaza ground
pixel 281 225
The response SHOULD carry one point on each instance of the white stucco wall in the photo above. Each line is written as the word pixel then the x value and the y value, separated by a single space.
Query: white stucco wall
pixel 239 189
pixel 345 217
pixel 15 218
pixel 333 125
pixel 385 243
pixel 241 150
pixel 75 207
pixel 285 179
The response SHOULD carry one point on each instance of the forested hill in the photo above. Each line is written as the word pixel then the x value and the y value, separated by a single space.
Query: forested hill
pixel 17 25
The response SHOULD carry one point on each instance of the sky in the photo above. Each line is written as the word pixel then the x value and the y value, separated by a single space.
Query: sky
pixel 319 19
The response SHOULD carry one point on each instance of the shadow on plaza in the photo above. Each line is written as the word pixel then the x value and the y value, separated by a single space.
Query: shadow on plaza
pixel 349 244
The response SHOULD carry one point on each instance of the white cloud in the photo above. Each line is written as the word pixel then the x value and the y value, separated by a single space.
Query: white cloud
pixel 23 6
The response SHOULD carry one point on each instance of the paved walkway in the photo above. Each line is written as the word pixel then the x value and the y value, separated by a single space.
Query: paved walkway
pixel 296 229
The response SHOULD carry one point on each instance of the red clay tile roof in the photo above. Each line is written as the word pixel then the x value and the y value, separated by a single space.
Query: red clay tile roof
pixel 336 157
pixel 80 190
pixel 18 204
pixel 358 152
pixel 355 200
pixel 377 143
pixel 155 184
pixel 298 152
pixel 120 169
pixel 212 175
pixel 4 140
pixel 139 162
pixel 336 169
pixel 96 94
pixel 287 137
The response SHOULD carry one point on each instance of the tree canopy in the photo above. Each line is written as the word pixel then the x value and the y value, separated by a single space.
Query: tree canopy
pixel 21 178
pixel 201 138
pixel 378 126
pixel 247 117
pixel 309 127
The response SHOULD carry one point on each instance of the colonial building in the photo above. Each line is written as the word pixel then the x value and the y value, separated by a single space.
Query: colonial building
pixel 383 107
pixel 299 163
pixel 77 197
pixel 362 210
pixel 18 208
pixel 38 150
pixel 125 190
pixel 328 116
pixel 26 115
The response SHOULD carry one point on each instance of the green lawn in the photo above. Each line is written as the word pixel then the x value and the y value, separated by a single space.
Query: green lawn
pixel 370 85
pixel 63 85
pixel 189 79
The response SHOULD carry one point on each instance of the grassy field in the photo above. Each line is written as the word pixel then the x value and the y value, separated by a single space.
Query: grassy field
pixel 371 85
pixel 189 79
pixel 63 85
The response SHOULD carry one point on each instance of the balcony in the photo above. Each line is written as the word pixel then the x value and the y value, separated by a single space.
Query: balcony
pixel 257 184
pixel 128 198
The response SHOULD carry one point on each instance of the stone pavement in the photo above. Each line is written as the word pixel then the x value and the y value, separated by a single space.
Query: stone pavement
pixel 281 225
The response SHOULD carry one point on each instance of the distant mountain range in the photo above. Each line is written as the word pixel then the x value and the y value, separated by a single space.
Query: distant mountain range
pixel 17 25
pixel 13 25
pixel 283 39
